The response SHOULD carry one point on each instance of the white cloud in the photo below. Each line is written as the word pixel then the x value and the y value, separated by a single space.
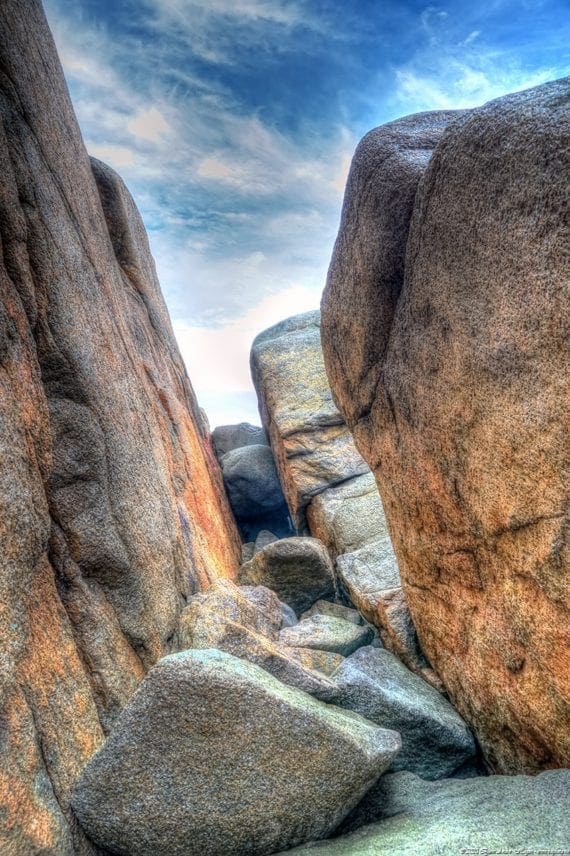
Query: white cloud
pixel 118 156
pixel 149 124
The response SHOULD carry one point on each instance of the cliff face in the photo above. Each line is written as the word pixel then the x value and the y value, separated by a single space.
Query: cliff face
pixel 454 381
pixel 112 510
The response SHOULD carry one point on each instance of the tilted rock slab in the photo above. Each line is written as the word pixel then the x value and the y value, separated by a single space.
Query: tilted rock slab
pixel 410 817
pixel 214 756
pixel 311 443
pixel 111 506
pixel 465 417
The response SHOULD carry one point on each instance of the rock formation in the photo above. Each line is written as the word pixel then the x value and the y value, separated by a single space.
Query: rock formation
pixel 329 488
pixel 447 351
pixel 111 507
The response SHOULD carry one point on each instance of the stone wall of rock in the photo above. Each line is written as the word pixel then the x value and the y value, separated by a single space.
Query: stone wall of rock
pixel 447 351
pixel 329 488
pixel 111 506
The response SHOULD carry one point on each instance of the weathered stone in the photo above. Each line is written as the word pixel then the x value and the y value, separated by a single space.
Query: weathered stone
pixel 263 539
pixel 339 610
pixel 327 633
pixel 291 771
pixel 254 491
pixel 465 419
pixel 247 551
pixel 225 438
pixel 289 616
pixel 203 627
pixel 491 814
pixel 371 580
pixel 111 503
pixel 349 516
pixel 325 662
pixel 256 607
pixel 312 446
pixel 298 569
pixel 436 742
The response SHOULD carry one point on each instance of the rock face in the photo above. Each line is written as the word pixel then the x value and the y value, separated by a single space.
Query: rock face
pixel 327 485
pixel 311 443
pixel 298 569
pixel 417 818
pixel 436 743
pixel 455 383
pixel 111 506
pixel 233 762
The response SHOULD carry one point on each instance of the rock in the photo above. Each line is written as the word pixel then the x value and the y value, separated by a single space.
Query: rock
pixel 493 814
pixel 204 628
pixel 112 509
pixel 325 662
pixel 254 491
pixel 349 516
pixel 291 771
pixel 338 610
pixel 436 742
pixel 289 616
pixel 371 580
pixel 327 633
pixel 312 446
pixel 263 539
pixel 298 569
pixel 255 607
pixel 226 438
pixel 247 551
pixel 467 427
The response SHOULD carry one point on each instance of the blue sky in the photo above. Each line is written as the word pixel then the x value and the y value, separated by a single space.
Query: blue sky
pixel 233 123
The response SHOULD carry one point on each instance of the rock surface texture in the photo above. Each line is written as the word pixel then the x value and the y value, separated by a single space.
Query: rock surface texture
pixel 311 443
pixel 410 817
pixel 451 367
pixel 328 486
pixel 112 510
pixel 233 761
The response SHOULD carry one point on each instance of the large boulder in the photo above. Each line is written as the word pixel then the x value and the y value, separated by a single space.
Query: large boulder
pixel 410 817
pixel 214 756
pixel 436 743
pixel 349 516
pixel 327 633
pixel 112 509
pixel 298 569
pixel 312 445
pixel 254 491
pixel 466 418
pixel 225 438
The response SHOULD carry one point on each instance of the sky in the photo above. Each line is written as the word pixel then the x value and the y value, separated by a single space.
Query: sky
pixel 233 123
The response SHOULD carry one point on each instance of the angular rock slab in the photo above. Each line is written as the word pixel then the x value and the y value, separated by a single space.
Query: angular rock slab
pixel 312 446
pixel 338 610
pixel 467 425
pixel 436 742
pixel 327 633
pixel 410 817
pixel 298 569
pixel 213 756
pixel 349 516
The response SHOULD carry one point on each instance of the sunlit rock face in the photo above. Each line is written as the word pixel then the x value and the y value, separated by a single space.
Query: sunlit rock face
pixel 112 510
pixel 454 381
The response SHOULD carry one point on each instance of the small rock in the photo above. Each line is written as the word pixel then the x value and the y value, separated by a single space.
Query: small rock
pixel 215 757
pixel 338 610
pixel 226 438
pixel 436 742
pixel 247 551
pixel 263 539
pixel 289 616
pixel 255 607
pixel 327 633
pixel 298 569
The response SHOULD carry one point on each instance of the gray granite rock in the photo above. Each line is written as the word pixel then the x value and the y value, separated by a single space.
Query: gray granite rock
pixel 214 756
pixel 298 569
pixel 327 633
pixel 436 742
pixel 339 610
pixel 225 438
